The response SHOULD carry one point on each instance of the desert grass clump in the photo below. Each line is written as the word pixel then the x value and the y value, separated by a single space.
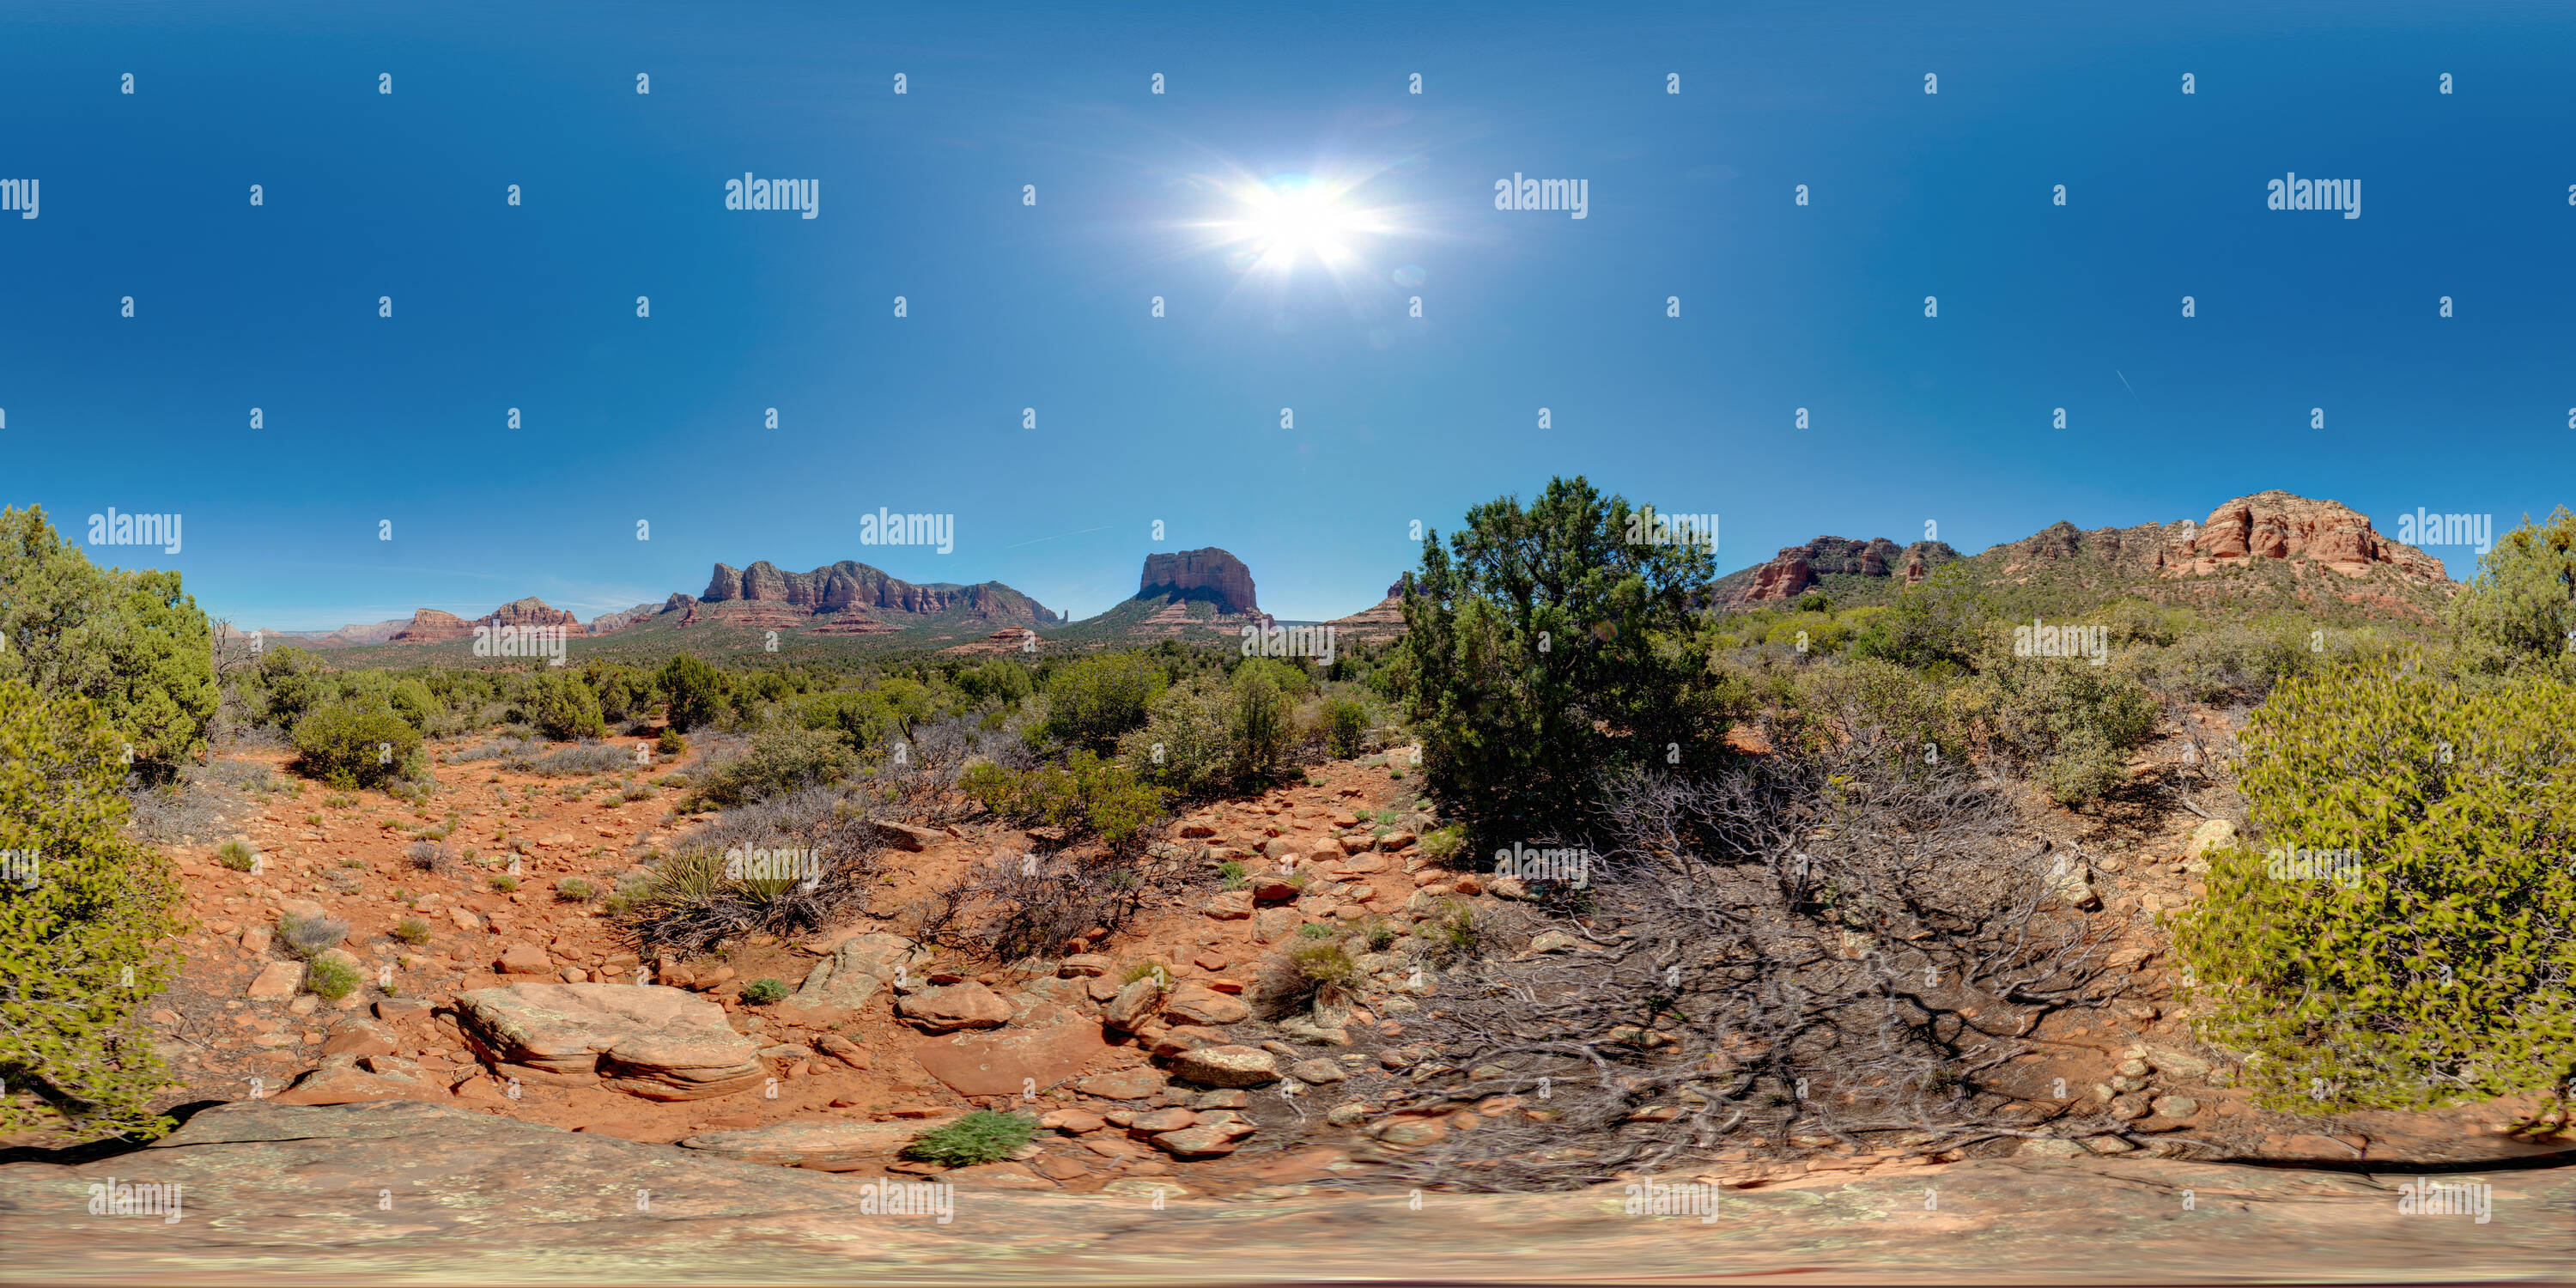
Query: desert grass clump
pixel 762 992
pixel 983 1136
pixel 1316 930
pixel 502 882
pixel 1232 873
pixel 412 930
pixel 575 890
pixel 1320 971
pixel 330 979
pixel 238 857
pixel 307 937
pixel 1160 973
pixel 427 856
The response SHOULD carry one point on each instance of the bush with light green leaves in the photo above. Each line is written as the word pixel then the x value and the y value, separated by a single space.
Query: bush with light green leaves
pixel 85 926
pixel 2442 967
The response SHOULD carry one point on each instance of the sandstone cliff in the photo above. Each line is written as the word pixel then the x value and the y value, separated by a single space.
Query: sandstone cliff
pixel 851 588
pixel 431 626
pixel 1796 568
pixel 1209 574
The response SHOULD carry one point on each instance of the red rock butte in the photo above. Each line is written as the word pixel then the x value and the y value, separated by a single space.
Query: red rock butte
pixel 1210 574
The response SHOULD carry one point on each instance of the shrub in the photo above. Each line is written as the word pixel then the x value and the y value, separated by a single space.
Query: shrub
pixel 306 936
pixel 1346 724
pixel 1440 845
pixel 1231 872
pixel 1188 744
pixel 131 642
pixel 1544 648
pixel 1452 932
pixel 2520 608
pixel 353 746
pixel 428 856
pixel 586 758
pixel 996 678
pixel 574 890
pixel 779 763
pixel 761 992
pixel 331 979
pixel 1910 715
pixel 1092 700
pixel 695 689
pixel 2074 725
pixel 412 930
pixel 1316 930
pixel 637 792
pixel 1937 622
pixel 670 743
pixel 1381 934
pixel 101 906
pixel 1085 794
pixel 502 882
pixel 983 1136
pixel 237 856
pixel 2440 968
pixel 1139 970
pixel 1263 711
pixel 1305 974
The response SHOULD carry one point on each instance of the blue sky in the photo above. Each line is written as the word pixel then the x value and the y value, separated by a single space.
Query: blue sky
pixel 367 195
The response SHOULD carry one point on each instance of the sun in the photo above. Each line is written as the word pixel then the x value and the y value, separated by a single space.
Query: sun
pixel 1297 218
pixel 1286 220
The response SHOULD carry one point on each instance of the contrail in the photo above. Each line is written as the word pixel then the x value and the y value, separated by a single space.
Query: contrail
pixel 1057 537
pixel 2124 382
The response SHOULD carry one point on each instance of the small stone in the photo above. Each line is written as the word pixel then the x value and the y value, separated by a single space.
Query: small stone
pixel 1227 1066
pixel 1317 1072
pixel 1553 941
pixel 2176 1107
pixel 2134 1069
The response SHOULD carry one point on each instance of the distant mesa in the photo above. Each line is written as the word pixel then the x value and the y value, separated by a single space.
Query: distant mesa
pixel 1383 620
pixel 850 598
pixel 1209 575
pixel 623 618
pixel 1796 568
pixel 431 626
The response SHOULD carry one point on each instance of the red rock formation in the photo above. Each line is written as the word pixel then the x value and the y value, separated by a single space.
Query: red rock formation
pixel 1785 576
pixel 2277 525
pixel 1210 574
pixel 1796 568
pixel 430 626
pixel 855 590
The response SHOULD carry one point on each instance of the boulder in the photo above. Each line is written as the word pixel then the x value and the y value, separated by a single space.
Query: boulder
pixel 1135 1006
pixel 843 1050
pixel 1226 1066
pixel 524 959
pixel 1020 1059
pixel 1084 966
pixel 648 1040
pixel 355 1036
pixel 1231 905
pixel 1199 1004
pixel 1123 1084
pixel 1317 1072
pixel 275 980
pixel 1206 1141
pixel 950 1007
pixel 857 968
pixel 1274 889
pixel 799 1144
pixel 904 836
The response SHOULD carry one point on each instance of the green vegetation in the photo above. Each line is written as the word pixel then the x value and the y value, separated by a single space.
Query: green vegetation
pixel 2521 607
pixel 782 762
pixel 502 882
pixel 308 937
pixel 1544 650
pixel 982 1136
pixel 762 992
pixel 133 643
pixel 412 930
pixel 1093 700
pixel 348 745
pixel 237 856
pixel 561 706
pixel 331 979
pixel 85 938
pixel 1084 795
pixel 670 743
pixel 575 890
pixel 2425 958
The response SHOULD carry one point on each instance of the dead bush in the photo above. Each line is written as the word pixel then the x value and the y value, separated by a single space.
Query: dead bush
pixel 1814 950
